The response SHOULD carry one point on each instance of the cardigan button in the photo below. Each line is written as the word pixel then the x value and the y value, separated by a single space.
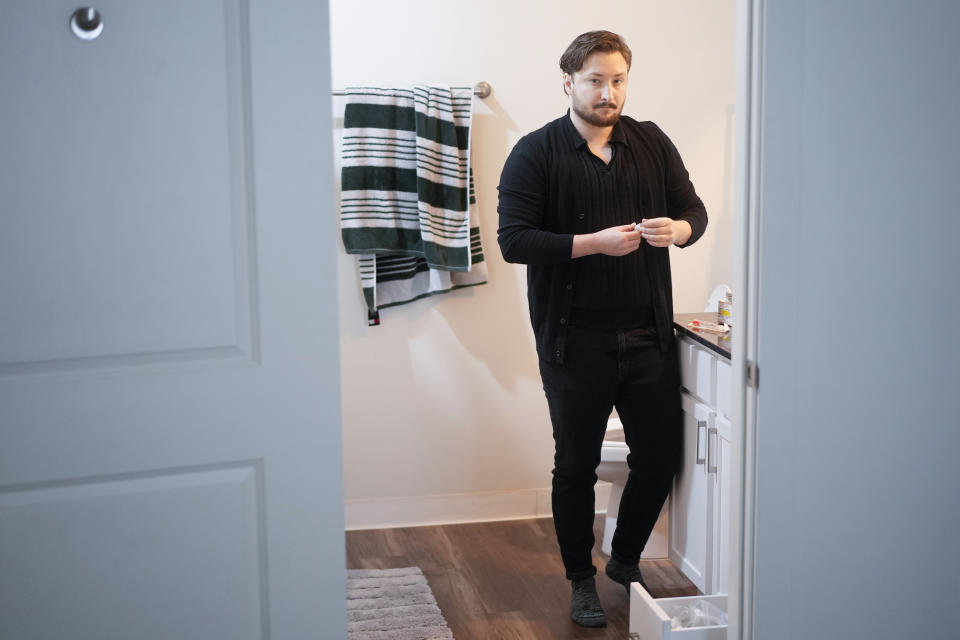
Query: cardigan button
pixel 581 215
pixel 558 353
pixel 563 321
pixel 569 286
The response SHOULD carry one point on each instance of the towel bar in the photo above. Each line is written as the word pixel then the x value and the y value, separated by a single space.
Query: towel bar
pixel 481 90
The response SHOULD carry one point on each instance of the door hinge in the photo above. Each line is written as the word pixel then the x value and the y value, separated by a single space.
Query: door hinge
pixel 753 374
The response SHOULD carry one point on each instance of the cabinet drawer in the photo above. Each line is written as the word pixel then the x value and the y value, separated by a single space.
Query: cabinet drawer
pixel 696 370
pixel 650 619
pixel 724 389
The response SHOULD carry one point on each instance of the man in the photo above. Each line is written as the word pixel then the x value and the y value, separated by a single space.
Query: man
pixel 598 283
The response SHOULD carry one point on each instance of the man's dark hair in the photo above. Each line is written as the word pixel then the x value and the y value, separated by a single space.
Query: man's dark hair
pixel 583 45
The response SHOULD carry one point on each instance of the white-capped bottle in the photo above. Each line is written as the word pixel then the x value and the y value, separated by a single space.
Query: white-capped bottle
pixel 725 310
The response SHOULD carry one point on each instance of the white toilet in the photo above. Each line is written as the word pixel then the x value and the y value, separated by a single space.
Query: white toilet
pixel 613 469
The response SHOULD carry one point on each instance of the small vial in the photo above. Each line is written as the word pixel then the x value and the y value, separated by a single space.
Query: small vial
pixel 725 310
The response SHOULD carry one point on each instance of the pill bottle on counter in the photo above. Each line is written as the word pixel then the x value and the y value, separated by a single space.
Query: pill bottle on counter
pixel 725 310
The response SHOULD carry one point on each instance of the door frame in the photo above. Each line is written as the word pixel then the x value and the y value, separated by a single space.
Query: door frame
pixel 747 198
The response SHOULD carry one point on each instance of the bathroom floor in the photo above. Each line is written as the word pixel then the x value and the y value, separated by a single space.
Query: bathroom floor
pixel 504 580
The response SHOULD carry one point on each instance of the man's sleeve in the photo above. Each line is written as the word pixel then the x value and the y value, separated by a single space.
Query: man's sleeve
pixel 523 211
pixel 683 203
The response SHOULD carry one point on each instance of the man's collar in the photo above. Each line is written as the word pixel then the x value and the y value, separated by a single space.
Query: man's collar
pixel 617 135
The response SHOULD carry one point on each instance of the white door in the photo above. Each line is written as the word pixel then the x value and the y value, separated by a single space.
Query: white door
pixel 169 388
pixel 851 432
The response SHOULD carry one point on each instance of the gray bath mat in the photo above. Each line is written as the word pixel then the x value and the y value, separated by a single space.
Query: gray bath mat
pixel 393 604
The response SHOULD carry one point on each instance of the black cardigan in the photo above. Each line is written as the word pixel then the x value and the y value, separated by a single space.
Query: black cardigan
pixel 544 191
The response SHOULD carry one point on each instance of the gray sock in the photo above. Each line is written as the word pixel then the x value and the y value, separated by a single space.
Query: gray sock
pixel 585 607
pixel 625 574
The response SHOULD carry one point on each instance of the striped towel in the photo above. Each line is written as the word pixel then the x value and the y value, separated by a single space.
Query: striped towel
pixel 408 208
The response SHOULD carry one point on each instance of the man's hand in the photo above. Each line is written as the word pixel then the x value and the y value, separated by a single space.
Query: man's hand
pixel 663 232
pixel 612 241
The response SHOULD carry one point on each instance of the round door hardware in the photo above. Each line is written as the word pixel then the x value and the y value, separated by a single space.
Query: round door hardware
pixel 86 23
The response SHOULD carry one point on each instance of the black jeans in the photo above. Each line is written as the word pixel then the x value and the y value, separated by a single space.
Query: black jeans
pixel 604 369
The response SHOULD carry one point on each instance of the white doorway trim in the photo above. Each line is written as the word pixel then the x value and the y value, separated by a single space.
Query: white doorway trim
pixel 747 199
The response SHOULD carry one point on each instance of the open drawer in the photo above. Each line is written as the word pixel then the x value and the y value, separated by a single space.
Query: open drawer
pixel 651 619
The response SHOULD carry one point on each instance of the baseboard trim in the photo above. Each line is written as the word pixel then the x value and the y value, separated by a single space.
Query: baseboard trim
pixel 456 508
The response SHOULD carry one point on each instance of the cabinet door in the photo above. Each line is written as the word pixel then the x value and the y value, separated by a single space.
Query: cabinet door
pixel 689 530
pixel 719 478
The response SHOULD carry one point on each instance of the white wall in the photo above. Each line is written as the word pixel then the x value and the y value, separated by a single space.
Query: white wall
pixel 445 397
pixel 857 423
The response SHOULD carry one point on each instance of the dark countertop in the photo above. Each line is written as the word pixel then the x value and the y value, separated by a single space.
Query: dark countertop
pixel 716 342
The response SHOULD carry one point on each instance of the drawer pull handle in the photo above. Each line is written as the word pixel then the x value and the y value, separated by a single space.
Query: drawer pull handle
pixel 701 445
pixel 712 450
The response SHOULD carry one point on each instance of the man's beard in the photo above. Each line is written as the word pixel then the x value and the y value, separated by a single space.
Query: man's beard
pixel 593 117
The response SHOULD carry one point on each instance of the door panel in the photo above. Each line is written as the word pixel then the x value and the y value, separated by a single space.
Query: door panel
pixel 145 133
pixel 95 539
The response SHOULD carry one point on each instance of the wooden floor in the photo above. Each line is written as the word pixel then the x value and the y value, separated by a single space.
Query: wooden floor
pixel 505 580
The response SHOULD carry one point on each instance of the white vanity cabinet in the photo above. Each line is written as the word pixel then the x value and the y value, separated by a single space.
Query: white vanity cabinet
pixel 699 505
pixel 700 500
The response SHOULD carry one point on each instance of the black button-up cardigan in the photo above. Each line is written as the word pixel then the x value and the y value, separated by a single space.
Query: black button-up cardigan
pixel 544 201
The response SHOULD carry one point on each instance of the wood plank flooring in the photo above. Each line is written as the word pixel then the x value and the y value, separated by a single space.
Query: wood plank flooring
pixel 505 580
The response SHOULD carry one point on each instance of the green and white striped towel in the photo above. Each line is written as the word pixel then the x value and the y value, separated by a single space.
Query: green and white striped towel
pixel 408 209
